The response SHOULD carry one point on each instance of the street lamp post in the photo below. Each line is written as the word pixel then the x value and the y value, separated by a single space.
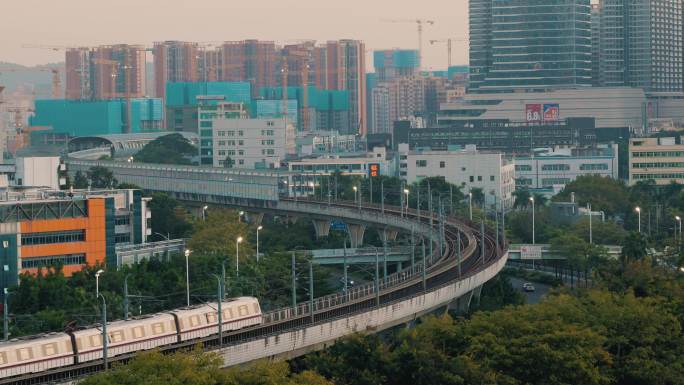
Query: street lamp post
pixel 257 242
pixel 533 224
pixel 219 297
pixel 105 342
pixel 638 210
pixel 5 315
pixel 187 277
pixel 204 213
pixel 356 194
pixel 406 192
pixel 125 299
pixel 591 233
pixel 237 255
pixel 97 282
pixel 678 237
pixel 470 204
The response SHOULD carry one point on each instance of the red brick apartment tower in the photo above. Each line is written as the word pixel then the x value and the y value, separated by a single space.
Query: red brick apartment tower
pixel 174 61
pixel 250 60
pixel 345 64
pixel 77 67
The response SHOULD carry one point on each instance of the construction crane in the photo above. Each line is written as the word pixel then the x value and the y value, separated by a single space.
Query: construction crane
pixel 56 80
pixel 420 23
pixel 448 41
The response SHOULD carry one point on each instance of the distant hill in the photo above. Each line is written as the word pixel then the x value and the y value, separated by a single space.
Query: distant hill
pixel 36 80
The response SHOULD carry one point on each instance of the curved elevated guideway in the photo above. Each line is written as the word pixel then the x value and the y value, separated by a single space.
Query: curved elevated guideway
pixel 463 260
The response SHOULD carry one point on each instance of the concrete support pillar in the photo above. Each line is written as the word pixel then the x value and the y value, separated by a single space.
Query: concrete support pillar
pixel 462 303
pixel 254 218
pixel 292 219
pixel 391 235
pixel 400 266
pixel 322 227
pixel 356 233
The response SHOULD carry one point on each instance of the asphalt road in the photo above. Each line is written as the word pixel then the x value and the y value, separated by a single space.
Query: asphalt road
pixel 532 297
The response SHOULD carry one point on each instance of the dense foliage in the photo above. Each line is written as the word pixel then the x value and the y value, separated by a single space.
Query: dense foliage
pixel 167 149
pixel 197 368
pixel 626 331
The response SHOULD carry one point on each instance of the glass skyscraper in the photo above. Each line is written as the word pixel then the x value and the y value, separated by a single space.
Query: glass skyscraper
pixel 641 44
pixel 530 44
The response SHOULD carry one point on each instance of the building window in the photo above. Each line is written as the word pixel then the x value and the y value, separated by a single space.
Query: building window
pixel 479 178
pixel 207 124
pixel 242 161
pixel 523 167
pixel 122 238
pixel 556 167
pixel 241 133
pixel 593 166
pixel 52 237
pixel 554 181
pixel 472 179
pixel 122 220
pixel 421 163
pixel 241 152
pixel 241 142
pixel 231 133
pixel 442 164
pixel 53 260
pixel 491 178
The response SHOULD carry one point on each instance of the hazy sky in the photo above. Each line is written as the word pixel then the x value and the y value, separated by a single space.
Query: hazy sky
pixel 93 22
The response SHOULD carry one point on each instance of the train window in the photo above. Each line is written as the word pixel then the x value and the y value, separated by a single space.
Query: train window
pixel 138 332
pixel 211 317
pixel 158 328
pixel 50 349
pixel 116 336
pixel 228 313
pixel 243 310
pixel 24 354
pixel 3 358
pixel 194 320
pixel 95 340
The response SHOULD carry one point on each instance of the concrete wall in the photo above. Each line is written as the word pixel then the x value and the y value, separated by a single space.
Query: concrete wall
pixel 295 343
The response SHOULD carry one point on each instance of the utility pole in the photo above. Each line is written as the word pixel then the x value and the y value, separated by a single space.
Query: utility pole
pixel 219 297
pixel 377 278
pixel 424 267
pixel 5 315
pixel 126 300
pixel 311 291
pixel 105 342
pixel 458 249
pixel 345 265
pixel 413 251
pixel 384 253
pixel 382 196
pixel 294 285
pixel 482 238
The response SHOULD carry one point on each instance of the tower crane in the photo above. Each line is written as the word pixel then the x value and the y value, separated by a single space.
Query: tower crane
pixel 420 23
pixel 448 41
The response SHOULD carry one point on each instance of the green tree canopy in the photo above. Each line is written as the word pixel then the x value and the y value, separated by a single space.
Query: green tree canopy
pixel 167 149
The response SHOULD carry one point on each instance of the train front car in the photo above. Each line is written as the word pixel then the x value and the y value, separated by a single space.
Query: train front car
pixel 202 321
pixel 35 354
pixel 133 335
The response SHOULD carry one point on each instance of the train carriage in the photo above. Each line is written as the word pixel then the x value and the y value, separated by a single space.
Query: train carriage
pixel 202 321
pixel 132 335
pixel 35 354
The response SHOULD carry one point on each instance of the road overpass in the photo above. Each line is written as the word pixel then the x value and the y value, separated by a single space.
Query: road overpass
pixel 464 258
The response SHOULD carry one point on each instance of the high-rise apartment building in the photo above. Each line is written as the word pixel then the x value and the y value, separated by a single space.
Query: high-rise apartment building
pixel 105 72
pixel 118 71
pixel 400 98
pixel 341 65
pixel 640 44
pixel 529 44
pixel 77 68
pixel 393 63
pixel 249 60
pixel 174 61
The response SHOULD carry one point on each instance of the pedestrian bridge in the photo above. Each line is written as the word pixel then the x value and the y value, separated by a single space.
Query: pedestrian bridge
pixel 463 259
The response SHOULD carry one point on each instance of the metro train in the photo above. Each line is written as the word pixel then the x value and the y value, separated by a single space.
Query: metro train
pixel 47 351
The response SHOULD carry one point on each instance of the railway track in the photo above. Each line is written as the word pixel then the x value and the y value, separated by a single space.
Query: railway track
pixel 442 270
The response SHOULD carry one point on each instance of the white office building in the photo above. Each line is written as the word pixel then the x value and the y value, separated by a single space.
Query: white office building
pixel 468 168
pixel 554 168
pixel 360 164
pixel 240 142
